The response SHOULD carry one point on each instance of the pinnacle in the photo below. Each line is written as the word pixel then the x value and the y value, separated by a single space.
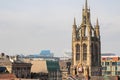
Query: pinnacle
pixel 74 21
pixel 86 5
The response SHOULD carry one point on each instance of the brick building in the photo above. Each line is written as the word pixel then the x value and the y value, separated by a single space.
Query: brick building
pixel 110 65
pixel 15 66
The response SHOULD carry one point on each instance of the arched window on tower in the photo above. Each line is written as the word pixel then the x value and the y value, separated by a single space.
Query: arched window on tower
pixel 84 52
pixel 96 55
pixel 84 19
pixel 77 52
pixel 86 31
pixel 92 52
pixel 92 48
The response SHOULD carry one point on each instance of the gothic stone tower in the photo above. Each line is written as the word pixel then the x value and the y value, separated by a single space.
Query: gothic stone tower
pixel 86 46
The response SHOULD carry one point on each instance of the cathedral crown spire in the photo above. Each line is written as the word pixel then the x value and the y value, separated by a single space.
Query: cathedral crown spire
pixel 86 46
pixel 86 5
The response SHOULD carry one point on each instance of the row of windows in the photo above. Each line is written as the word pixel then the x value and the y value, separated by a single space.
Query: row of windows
pixel 94 49
pixel 84 52
pixel 110 73
pixel 111 68
pixel 110 63
pixel 21 68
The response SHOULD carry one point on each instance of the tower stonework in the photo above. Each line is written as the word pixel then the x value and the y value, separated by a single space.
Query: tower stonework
pixel 86 46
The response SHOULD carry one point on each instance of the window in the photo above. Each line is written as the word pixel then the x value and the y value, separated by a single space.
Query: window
pixel 116 68
pixel 104 68
pixel 84 19
pixel 92 48
pixel 84 52
pixel 114 63
pixel 106 63
pixel 102 64
pixel 118 73
pixel 77 52
pixel 118 63
pixel 96 49
pixel 108 72
pixel 77 56
pixel 92 52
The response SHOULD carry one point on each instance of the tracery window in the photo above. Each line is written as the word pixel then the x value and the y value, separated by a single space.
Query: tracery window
pixel 96 54
pixel 84 52
pixel 93 53
pixel 77 52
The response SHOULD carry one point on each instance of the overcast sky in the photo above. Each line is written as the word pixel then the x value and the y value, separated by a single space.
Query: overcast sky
pixel 29 26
